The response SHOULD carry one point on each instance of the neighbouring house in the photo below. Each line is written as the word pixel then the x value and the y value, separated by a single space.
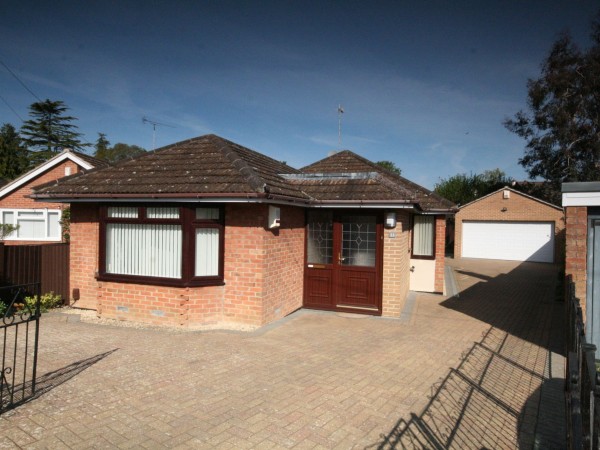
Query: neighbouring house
pixel 581 201
pixel 510 225
pixel 206 232
pixel 39 222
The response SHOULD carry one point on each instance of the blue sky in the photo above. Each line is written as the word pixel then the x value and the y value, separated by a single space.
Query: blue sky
pixel 425 84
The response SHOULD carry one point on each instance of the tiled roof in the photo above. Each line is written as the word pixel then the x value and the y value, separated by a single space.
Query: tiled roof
pixel 395 186
pixel 193 168
pixel 210 166
pixel 97 163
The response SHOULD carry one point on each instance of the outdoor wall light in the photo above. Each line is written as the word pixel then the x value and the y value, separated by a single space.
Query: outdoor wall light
pixel 390 220
pixel 504 209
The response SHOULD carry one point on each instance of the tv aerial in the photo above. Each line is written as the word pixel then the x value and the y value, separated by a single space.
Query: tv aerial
pixel 154 125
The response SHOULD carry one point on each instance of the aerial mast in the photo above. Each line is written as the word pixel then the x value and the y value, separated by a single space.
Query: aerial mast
pixel 340 112
pixel 154 124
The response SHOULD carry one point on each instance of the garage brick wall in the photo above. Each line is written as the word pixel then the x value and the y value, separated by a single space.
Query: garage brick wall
pixel 576 250
pixel 519 208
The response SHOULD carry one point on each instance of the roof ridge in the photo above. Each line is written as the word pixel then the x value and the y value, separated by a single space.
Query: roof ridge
pixel 239 163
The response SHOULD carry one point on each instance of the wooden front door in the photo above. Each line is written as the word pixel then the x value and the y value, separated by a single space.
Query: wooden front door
pixel 343 261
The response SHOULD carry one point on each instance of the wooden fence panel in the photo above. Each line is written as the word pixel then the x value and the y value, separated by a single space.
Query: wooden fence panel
pixel 54 269
pixel 45 263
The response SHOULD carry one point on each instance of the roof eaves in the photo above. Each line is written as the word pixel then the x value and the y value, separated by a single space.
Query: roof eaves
pixel 516 192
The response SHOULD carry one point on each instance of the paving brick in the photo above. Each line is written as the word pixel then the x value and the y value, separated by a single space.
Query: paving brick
pixel 315 380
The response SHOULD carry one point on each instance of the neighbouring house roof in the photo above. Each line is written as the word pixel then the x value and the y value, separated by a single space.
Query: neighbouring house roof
pixel 506 188
pixel 212 168
pixel 84 161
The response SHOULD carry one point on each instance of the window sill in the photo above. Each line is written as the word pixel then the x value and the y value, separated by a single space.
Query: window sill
pixel 159 281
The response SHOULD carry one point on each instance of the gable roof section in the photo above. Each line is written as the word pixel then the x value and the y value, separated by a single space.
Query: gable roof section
pixel 531 197
pixel 82 160
pixel 395 186
pixel 206 166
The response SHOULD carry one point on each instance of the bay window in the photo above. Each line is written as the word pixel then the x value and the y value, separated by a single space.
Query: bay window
pixel 172 245
pixel 33 224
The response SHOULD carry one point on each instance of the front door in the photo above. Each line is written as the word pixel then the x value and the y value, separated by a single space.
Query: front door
pixel 343 261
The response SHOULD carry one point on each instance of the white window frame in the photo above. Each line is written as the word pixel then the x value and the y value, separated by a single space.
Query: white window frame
pixel 45 212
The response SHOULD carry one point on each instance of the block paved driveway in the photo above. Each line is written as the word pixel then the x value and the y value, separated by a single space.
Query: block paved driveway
pixel 472 372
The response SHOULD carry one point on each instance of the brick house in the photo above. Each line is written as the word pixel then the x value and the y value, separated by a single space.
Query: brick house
pixel 207 232
pixel 510 225
pixel 39 222
pixel 581 201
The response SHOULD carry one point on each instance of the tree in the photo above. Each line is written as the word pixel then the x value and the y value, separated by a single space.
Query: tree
pixel 389 165
pixel 118 152
pixel 50 130
pixel 562 123
pixel 13 155
pixel 102 145
pixel 462 188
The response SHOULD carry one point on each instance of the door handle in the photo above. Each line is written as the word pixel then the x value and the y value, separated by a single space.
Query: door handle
pixel 412 268
pixel 341 259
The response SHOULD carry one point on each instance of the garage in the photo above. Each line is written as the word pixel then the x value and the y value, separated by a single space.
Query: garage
pixel 514 241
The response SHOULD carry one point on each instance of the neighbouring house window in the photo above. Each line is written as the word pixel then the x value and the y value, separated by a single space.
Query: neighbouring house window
pixel 423 237
pixel 34 224
pixel 175 245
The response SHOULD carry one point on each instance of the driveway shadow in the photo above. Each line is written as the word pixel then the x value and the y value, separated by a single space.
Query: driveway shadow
pixel 26 392
pixel 503 393
pixel 519 302
pixel 489 401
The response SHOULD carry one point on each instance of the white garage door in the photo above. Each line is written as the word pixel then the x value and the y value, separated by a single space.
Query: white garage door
pixel 514 241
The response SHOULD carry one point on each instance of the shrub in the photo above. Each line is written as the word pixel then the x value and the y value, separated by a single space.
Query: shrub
pixel 48 301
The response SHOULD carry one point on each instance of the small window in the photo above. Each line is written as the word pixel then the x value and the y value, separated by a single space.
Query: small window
pixel 162 213
pixel 123 212
pixel 423 237
pixel 207 213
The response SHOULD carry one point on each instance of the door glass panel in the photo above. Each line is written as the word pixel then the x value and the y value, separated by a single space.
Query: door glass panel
pixel 319 243
pixel 359 241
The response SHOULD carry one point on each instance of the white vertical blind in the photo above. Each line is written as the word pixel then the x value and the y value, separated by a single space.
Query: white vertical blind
pixel 423 232
pixel 207 252
pixel 123 212
pixel 162 213
pixel 151 250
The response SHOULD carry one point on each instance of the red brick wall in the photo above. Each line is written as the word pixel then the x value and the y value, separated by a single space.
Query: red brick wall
pixel 396 265
pixel 84 254
pixel 284 266
pixel 440 252
pixel 263 274
pixel 18 199
pixel 576 249
pixel 519 208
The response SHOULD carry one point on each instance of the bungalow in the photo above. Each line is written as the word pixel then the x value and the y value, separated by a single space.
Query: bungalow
pixel 40 223
pixel 206 232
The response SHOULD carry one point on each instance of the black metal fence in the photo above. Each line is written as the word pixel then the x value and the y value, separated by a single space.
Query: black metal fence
pixel 19 326
pixel 583 379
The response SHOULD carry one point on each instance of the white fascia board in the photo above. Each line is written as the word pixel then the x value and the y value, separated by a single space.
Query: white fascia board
pixel 23 179
pixel 581 199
